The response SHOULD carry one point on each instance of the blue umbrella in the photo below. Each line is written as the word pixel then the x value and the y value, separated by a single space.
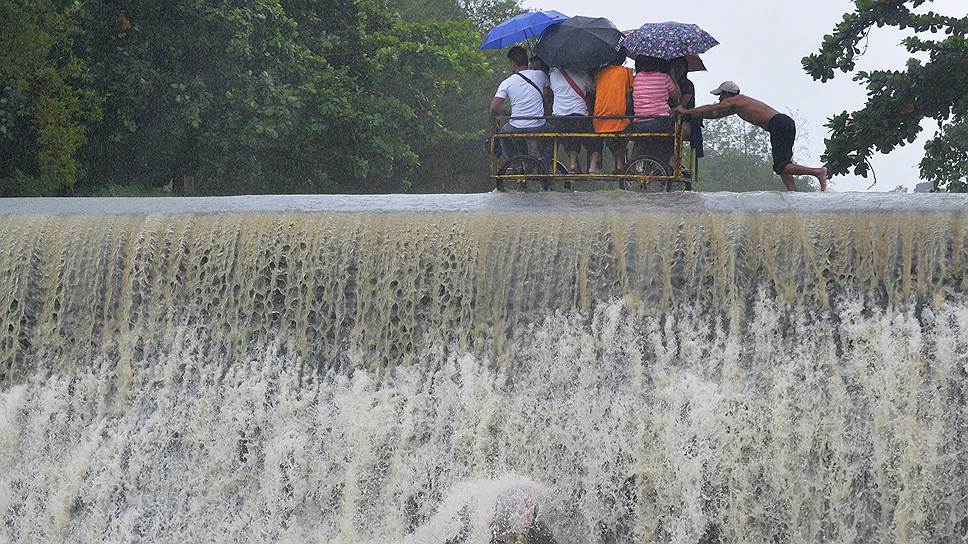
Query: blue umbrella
pixel 669 40
pixel 521 27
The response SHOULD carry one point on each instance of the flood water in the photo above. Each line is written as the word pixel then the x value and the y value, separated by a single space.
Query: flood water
pixel 578 368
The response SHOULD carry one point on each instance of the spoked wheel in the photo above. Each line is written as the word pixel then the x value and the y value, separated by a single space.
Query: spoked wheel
pixel 645 166
pixel 524 168
pixel 556 183
pixel 682 183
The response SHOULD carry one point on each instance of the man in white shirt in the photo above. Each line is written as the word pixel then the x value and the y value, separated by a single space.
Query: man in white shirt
pixel 526 92
pixel 572 93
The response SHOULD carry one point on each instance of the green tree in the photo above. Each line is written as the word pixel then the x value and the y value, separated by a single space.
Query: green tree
pixel 898 100
pixel 738 159
pixel 482 14
pixel 271 96
pixel 44 101
pixel 452 157
pixel 197 90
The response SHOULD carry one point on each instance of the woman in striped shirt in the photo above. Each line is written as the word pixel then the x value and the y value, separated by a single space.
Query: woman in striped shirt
pixel 652 92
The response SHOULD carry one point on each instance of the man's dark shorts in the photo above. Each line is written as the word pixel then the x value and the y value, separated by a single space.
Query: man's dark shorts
pixel 783 134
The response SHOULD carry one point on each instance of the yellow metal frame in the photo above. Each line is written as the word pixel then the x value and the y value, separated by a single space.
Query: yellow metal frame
pixel 678 148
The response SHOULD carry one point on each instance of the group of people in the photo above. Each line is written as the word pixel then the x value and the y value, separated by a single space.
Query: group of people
pixel 614 99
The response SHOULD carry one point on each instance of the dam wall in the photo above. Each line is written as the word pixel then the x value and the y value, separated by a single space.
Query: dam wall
pixel 641 368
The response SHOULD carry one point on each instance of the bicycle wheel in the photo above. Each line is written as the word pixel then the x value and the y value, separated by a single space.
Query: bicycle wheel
pixel 645 166
pixel 524 168
pixel 556 183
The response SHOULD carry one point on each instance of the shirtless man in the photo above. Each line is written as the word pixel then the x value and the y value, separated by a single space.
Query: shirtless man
pixel 782 129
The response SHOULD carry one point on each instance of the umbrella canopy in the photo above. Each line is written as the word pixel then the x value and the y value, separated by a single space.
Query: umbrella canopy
pixel 695 63
pixel 580 42
pixel 669 40
pixel 521 27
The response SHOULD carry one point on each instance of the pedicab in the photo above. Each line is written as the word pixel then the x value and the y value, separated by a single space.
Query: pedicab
pixel 585 43
pixel 645 171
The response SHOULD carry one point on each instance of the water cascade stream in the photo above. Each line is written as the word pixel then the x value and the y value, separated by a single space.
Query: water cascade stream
pixel 671 369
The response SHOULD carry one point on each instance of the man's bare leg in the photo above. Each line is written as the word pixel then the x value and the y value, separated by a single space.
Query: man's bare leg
pixel 790 181
pixel 573 161
pixel 618 150
pixel 594 161
pixel 794 169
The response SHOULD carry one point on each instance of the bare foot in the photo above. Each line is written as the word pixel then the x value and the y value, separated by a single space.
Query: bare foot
pixel 822 178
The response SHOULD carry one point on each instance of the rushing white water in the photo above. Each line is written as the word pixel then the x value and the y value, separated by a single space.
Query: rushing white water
pixel 597 375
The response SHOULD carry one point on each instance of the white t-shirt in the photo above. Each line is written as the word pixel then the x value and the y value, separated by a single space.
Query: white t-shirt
pixel 524 99
pixel 567 101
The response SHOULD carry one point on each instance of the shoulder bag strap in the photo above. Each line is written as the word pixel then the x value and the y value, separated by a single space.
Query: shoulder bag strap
pixel 574 86
pixel 533 84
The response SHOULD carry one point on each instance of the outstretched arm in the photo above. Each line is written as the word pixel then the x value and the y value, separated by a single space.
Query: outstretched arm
pixel 712 111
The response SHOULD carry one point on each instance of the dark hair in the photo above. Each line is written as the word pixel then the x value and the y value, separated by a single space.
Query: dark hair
pixel 537 63
pixel 680 60
pixel 518 56
pixel 645 63
pixel 619 59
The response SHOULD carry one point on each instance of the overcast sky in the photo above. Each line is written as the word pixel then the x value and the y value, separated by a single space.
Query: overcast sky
pixel 762 42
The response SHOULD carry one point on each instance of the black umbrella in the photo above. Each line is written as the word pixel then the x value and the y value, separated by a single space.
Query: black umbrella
pixel 580 43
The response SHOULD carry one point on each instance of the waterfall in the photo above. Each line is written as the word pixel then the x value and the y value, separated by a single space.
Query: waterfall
pixel 563 368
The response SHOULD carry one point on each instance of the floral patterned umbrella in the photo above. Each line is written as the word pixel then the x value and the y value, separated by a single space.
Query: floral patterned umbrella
pixel 669 40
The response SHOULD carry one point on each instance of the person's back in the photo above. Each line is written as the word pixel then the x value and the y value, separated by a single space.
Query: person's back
pixel 688 91
pixel 567 100
pixel 571 89
pixel 612 85
pixel 753 111
pixel 524 92
pixel 651 93
pixel 525 99
pixel 653 89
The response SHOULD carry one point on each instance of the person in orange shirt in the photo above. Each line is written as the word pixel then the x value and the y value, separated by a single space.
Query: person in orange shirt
pixel 613 89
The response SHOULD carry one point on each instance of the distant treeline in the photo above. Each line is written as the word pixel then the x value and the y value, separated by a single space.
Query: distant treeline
pixel 276 96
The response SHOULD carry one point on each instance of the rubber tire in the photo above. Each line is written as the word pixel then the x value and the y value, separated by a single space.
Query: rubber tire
pixel 646 166
pixel 522 165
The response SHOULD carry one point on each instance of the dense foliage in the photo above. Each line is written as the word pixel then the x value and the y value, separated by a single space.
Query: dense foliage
pixel 46 104
pixel 453 158
pixel 227 97
pixel 899 100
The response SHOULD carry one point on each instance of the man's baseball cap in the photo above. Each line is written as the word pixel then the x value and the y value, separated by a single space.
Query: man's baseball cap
pixel 726 87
